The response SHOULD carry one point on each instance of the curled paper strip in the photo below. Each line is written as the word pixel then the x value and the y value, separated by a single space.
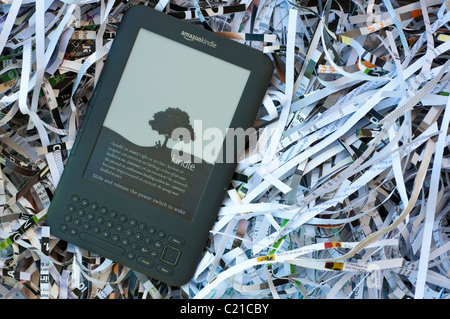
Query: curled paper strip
pixel 344 194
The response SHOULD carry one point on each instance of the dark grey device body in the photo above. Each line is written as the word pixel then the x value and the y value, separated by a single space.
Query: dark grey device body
pixel 133 203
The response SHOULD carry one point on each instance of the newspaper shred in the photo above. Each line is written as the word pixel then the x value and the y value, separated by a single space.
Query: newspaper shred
pixel 345 194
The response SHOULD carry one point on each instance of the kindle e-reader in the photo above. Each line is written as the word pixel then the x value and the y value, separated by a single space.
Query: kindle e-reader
pixel 142 186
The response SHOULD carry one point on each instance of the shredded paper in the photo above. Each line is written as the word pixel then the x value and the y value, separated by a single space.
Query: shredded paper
pixel 345 194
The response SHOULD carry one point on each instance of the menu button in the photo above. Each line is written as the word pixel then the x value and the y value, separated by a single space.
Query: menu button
pixel 176 241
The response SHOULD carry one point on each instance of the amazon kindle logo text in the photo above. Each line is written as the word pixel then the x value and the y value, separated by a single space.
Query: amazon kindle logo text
pixel 191 37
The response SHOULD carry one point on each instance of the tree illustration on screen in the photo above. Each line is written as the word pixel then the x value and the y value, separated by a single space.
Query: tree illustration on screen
pixel 164 122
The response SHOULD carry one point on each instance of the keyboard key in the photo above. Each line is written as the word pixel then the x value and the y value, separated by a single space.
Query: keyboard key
pixel 152 230
pixel 84 202
pixel 110 224
pixel 94 207
pixel 164 270
pixel 132 222
pixel 75 199
pixel 148 240
pixel 157 244
pixel 145 262
pixel 95 242
pixel 138 236
pixel 176 240
pixel 100 220
pixel 161 235
pixel 129 232
pixel 81 212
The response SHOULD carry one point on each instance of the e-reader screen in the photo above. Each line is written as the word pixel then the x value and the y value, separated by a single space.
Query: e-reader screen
pixel 166 86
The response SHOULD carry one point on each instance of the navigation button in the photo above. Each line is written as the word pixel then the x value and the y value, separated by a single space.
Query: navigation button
pixel 170 255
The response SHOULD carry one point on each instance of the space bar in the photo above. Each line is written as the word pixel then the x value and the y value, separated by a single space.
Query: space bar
pixel 95 242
